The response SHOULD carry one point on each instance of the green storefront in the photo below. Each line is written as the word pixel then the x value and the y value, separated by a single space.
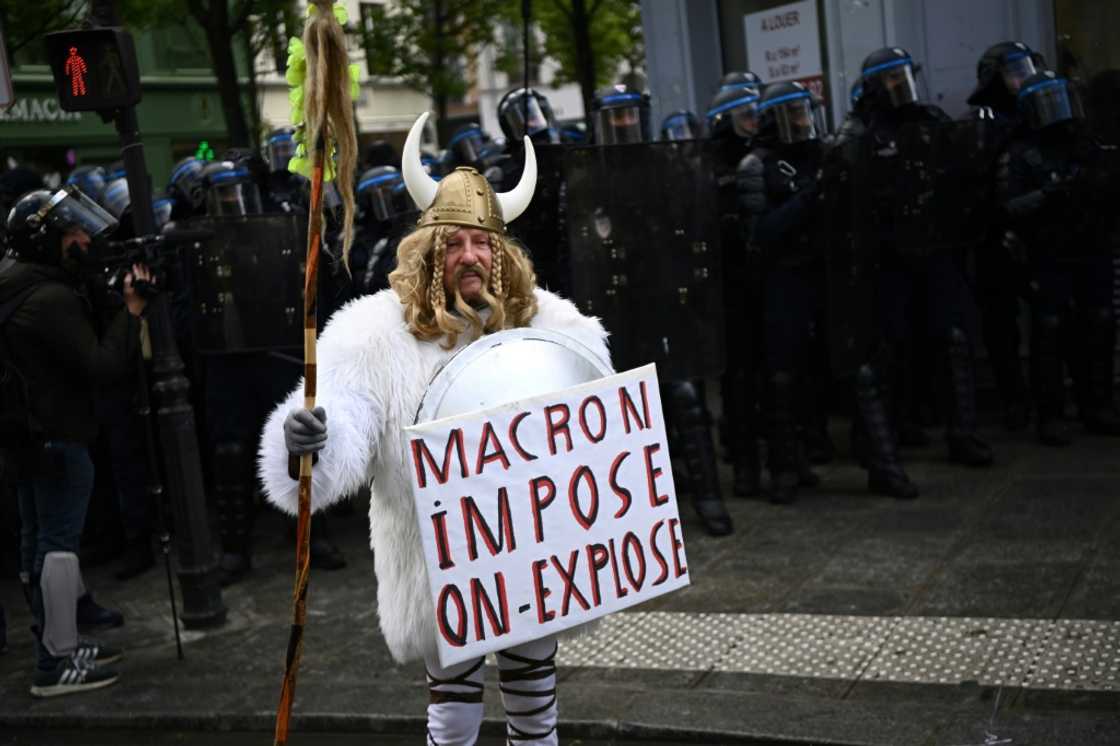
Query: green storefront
pixel 180 108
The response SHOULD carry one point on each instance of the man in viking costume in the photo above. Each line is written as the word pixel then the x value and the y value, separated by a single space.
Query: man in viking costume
pixel 459 276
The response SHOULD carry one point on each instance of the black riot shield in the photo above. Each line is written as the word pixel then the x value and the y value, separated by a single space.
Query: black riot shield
pixel 924 190
pixel 644 250
pixel 919 191
pixel 247 283
pixel 850 265
pixel 542 229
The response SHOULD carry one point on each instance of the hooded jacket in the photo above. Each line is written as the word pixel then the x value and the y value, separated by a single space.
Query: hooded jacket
pixel 372 375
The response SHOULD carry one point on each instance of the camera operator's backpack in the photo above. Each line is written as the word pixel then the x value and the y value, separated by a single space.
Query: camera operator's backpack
pixel 19 432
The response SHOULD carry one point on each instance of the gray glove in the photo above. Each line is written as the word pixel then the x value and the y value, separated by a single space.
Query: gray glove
pixel 305 431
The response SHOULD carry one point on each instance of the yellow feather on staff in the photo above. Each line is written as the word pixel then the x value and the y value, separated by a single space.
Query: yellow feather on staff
pixel 323 84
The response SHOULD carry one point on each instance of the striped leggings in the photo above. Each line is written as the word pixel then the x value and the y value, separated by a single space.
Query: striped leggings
pixel 527 676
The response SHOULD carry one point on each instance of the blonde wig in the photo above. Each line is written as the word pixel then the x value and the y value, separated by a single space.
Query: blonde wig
pixel 418 282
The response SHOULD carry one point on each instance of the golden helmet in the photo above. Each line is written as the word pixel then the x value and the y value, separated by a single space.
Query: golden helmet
pixel 464 197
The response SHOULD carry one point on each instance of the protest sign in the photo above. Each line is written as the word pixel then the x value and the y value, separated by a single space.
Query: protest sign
pixel 546 513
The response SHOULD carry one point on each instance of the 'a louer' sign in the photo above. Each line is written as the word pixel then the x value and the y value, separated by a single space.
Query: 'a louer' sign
pixel 783 43
pixel 547 513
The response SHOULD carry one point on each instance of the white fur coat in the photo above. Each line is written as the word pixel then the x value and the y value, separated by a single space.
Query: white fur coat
pixel 372 375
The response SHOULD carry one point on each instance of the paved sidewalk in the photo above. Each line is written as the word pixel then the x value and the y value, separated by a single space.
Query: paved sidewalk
pixel 987 611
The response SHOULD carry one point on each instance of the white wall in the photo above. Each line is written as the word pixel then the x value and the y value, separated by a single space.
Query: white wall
pixel 946 36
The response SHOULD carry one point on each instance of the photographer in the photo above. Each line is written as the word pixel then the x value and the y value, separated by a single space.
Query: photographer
pixel 50 343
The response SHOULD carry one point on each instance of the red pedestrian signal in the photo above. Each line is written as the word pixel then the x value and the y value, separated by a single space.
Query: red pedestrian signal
pixel 76 69
pixel 94 69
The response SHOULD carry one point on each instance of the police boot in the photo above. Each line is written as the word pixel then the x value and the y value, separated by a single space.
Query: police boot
pixel 1101 416
pixel 1048 381
pixel 885 475
pixel 699 455
pixel 782 448
pixel 232 500
pixel 964 446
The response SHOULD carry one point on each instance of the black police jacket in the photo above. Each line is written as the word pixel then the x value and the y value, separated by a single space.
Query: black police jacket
pixel 782 195
pixel 1058 190
pixel 54 343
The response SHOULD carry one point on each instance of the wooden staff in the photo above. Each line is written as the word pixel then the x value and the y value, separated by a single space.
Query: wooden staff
pixel 328 121
pixel 303 527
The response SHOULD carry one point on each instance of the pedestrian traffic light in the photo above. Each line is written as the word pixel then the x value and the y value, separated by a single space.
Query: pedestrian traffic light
pixel 94 69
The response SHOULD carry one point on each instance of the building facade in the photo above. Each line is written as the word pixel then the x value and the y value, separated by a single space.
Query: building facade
pixel 690 43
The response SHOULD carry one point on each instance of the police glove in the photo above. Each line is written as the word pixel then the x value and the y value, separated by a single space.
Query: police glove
pixel 305 431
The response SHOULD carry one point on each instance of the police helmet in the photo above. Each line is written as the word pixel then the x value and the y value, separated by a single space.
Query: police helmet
pixel 680 125
pixel 279 148
pixel 466 144
pixel 186 184
pixel 162 207
pixel 377 192
pixel 230 189
pixel 39 219
pixel 1000 74
pixel 888 78
pixel 792 110
pixel 621 115
pixel 734 109
pixel 738 80
pixel 116 198
pixel 90 179
pixel 527 112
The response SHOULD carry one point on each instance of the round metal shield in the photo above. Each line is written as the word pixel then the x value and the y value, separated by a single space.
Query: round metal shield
pixel 509 366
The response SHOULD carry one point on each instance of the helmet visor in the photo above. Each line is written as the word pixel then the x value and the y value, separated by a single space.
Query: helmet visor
pixel 467 146
pixel 1016 70
pixel 69 208
pixel 233 197
pixel 1047 103
pixel 115 198
pixel 377 195
pixel 281 148
pixel 897 79
pixel 678 128
pixel 525 116
pixel 619 125
pixel 161 210
pixel 744 119
pixel 795 121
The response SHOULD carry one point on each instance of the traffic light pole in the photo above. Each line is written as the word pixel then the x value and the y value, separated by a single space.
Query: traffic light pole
pixel 197 562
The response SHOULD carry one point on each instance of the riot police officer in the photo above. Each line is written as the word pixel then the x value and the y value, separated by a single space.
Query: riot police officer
pixel 283 190
pixel 186 189
pixel 239 390
pixel 382 202
pixel 910 278
pixel 1058 187
pixel 620 114
pixel 521 112
pixel 1001 277
pixel 621 117
pixel 732 120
